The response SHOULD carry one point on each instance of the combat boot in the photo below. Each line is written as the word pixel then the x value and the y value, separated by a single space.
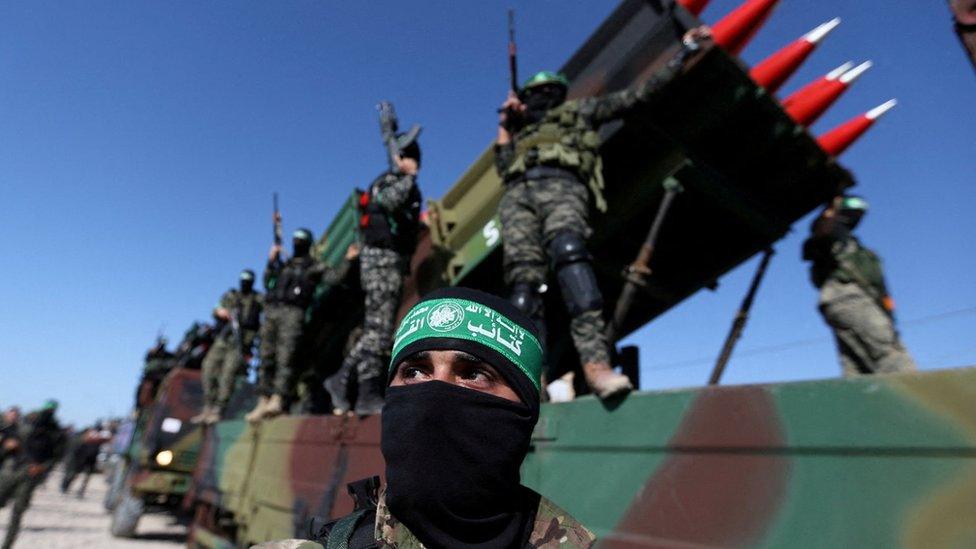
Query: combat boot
pixel 202 416
pixel 370 400
pixel 604 382
pixel 275 407
pixel 337 386
pixel 257 414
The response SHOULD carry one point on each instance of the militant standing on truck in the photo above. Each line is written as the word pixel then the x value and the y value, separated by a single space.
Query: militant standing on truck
pixel 389 224
pixel 854 298
pixel 547 154
pixel 290 286
pixel 238 316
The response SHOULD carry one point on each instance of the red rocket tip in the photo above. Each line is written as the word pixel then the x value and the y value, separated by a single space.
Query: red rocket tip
pixel 694 6
pixel 806 105
pixel 735 30
pixel 773 71
pixel 837 140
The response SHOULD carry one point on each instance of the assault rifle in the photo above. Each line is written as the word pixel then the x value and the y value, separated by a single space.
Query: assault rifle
pixel 512 53
pixel 276 220
pixel 389 126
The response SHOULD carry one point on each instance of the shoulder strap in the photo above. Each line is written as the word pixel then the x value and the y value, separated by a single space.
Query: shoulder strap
pixel 343 530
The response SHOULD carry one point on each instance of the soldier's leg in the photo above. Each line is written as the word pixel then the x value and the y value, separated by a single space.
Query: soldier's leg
pixel 524 255
pixel 22 496
pixel 564 205
pixel 866 335
pixel 211 369
pixel 268 352
pixel 382 281
pixel 292 321
pixel 230 369
pixel 8 484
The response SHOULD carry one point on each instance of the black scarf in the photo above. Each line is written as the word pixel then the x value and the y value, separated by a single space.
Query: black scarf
pixel 539 102
pixel 452 465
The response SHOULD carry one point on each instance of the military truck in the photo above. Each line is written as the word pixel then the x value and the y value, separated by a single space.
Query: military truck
pixel 155 469
pixel 884 461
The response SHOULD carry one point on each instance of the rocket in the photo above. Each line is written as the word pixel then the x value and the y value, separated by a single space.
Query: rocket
pixel 694 6
pixel 773 71
pixel 838 139
pixel 806 105
pixel 735 30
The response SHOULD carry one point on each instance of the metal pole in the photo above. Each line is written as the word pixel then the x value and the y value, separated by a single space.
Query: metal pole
pixel 741 317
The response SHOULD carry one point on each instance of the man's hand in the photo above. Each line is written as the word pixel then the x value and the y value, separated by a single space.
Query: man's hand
pixel 352 252
pixel 275 252
pixel 222 313
pixel 407 165
pixel 511 108
pixel 696 37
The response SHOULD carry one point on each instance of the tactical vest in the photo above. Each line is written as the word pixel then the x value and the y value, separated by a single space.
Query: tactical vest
pixel 292 285
pixel 248 310
pixel 562 139
pixel 859 265
pixel 395 230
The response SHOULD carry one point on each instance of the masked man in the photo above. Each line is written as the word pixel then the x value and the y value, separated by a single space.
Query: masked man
pixel 389 224
pixel 462 403
pixel 239 316
pixel 290 288
pixel 854 298
pixel 547 154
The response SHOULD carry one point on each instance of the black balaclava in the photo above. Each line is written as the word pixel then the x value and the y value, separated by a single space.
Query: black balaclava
pixel 301 242
pixel 247 281
pixel 453 454
pixel 539 100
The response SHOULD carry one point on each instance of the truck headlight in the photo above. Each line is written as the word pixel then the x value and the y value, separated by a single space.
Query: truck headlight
pixel 164 458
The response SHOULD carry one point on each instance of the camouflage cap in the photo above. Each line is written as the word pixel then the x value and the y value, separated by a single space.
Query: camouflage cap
pixel 247 274
pixel 854 202
pixel 50 404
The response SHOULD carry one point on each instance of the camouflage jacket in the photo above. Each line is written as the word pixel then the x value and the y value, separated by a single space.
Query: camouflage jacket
pixel 567 137
pixel 554 528
pixel 248 309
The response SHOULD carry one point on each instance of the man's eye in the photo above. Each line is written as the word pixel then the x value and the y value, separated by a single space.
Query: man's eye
pixel 478 374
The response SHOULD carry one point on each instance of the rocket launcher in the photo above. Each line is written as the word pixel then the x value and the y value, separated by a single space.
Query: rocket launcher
pixel 735 30
pixel 773 71
pixel 837 140
pixel 808 104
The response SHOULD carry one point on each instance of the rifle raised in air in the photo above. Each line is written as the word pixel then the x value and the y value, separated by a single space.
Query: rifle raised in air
pixel 389 126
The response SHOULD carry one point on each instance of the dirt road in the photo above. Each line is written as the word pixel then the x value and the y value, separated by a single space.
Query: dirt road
pixel 54 520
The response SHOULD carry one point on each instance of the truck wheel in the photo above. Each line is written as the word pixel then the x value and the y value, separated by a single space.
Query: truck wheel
pixel 116 479
pixel 126 516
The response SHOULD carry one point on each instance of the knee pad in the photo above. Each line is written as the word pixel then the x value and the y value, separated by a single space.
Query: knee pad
pixel 577 281
pixel 525 296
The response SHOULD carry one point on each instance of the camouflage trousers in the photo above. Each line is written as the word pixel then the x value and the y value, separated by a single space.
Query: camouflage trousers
pixel 280 331
pixel 532 213
pixel 381 277
pixel 19 485
pixel 222 367
pixel 866 338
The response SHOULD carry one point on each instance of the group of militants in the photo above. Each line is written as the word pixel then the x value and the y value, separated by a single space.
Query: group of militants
pixel 547 155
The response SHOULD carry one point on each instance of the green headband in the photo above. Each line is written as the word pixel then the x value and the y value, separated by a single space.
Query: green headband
pixel 472 321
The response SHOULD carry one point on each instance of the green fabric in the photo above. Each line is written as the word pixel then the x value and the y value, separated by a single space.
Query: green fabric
pixel 342 531
pixel 546 77
pixel 463 319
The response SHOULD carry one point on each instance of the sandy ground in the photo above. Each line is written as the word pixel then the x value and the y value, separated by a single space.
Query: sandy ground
pixel 54 520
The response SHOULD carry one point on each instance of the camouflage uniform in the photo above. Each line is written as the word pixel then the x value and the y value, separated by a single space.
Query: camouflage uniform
pixel 224 364
pixel 547 169
pixel 389 236
pixel 553 528
pixel 852 302
pixel 383 260
pixel 290 286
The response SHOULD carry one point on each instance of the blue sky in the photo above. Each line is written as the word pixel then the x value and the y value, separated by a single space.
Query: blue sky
pixel 140 143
